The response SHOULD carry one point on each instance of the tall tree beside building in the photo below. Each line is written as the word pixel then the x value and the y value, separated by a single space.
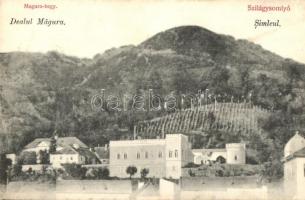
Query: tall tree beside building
pixel 131 170
pixel 52 145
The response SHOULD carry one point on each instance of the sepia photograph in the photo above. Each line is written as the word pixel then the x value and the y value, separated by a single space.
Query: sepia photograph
pixel 152 100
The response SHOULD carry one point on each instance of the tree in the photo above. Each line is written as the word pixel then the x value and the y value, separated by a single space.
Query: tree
pixel 183 82
pixel 4 165
pixel 144 172
pixel 75 170
pixel 218 80
pixel 131 170
pixel 155 81
pixel 16 171
pixel 103 173
pixel 44 157
pixel 52 145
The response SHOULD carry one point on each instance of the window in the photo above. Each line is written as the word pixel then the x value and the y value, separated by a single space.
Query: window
pixel 125 156
pixel 118 156
pixel 170 154
pixel 304 170
pixel 160 154
pixel 71 158
pixel 138 156
pixel 176 153
pixel 235 157
pixel 60 157
pixel 146 154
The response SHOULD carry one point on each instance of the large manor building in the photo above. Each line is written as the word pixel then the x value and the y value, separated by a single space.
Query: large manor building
pixel 166 157
pixel 162 157
pixel 68 150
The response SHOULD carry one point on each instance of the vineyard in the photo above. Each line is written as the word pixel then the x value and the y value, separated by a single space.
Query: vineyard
pixel 239 118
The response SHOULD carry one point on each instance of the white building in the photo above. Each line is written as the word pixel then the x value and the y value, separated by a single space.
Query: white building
pixel 294 167
pixel 234 153
pixel 72 154
pixel 162 157
pixel 68 150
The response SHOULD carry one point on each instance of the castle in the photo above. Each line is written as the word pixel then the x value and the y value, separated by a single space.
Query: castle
pixel 165 157
pixel 162 157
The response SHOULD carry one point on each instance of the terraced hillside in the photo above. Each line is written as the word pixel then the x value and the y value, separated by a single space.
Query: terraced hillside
pixel 239 118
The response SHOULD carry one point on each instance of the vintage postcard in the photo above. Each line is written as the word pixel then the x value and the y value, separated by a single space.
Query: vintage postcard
pixel 131 99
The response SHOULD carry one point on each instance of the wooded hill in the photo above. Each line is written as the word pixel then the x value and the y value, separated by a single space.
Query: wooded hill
pixel 43 93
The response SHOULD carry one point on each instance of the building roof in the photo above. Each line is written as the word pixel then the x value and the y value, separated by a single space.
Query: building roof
pixel 86 152
pixel 72 150
pixel 37 141
pixel 61 141
pixel 300 153
pixel 296 143
pixel 66 150
pixel 102 152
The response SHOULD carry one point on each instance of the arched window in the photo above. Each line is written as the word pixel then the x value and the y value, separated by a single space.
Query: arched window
pixel 146 154
pixel 125 155
pixel 118 156
pixel 176 153
pixel 235 157
pixel 138 155
pixel 160 154
pixel 170 154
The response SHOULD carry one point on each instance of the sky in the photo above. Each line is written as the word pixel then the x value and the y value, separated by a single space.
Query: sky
pixel 94 26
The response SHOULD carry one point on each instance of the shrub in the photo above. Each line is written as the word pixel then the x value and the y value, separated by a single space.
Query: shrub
pixel 97 173
pixel 191 173
pixel 144 172
pixel 191 165
pixel 75 170
pixel 219 172
pixel 103 173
